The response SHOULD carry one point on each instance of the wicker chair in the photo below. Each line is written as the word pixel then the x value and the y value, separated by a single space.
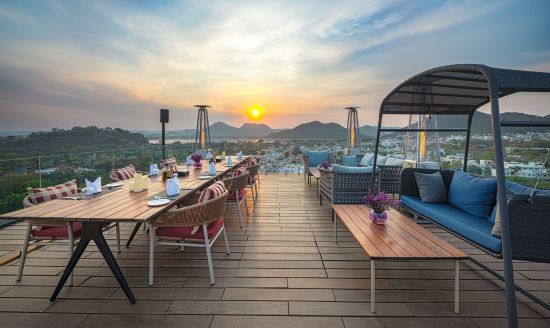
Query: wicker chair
pixel 253 177
pixel 345 188
pixel 236 187
pixel 307 174
pixel 54 231
pixel 175 226
pixel 389 178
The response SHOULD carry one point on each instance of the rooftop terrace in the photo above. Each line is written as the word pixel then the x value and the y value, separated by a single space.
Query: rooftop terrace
pixel 284 271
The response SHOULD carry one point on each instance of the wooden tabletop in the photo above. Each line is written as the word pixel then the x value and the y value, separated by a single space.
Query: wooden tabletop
pixel 119 204
pixel 400 238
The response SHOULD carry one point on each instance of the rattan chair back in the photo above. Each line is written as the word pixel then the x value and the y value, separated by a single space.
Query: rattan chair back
pixel 236 183
pixel 194 215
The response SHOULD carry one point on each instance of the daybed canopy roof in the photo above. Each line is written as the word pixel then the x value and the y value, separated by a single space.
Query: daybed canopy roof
pixel 459 89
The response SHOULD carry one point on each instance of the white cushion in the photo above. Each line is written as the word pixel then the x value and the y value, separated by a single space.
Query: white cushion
pixel 381 160
pixel 394 161
pixel 367 160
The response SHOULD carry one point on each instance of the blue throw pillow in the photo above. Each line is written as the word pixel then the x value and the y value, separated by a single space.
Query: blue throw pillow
pixel 349 169
pixel 431 187
pixel 476 196
pixel 350 160
pixel 317 157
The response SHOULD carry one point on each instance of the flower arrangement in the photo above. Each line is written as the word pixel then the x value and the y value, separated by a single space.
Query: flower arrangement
pixel 196 157
pixel 379 203
pixel 325 165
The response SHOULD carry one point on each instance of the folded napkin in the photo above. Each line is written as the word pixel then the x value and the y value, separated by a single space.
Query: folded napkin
pixel 93 187
pixel 229 160
pixel 240 155
pixel 189 161
pixel 212 168
pixel 173 186
pixel 208 155
pixel 154 169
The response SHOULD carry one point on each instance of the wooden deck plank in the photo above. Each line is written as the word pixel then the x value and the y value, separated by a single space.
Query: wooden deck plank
pixel 284 271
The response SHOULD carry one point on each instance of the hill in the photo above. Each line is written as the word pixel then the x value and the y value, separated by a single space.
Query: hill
pixel 312 130
pixel 481 122
pixel 218 129
pixel 77 139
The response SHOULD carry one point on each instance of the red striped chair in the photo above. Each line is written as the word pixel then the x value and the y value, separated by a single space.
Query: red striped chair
pixel 177 227
pixel 236 185
pixel 122 174
pixel 38 231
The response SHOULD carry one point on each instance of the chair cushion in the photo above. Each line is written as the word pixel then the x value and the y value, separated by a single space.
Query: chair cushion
pixel 381 160
pixel 431 187
pixel 123 173
pixel 251 162
pixel 40 195
pixel 57 232
pixel 212 192
pixel 367 160
pixel 232 197
pixel 239 171
pixel 186 232
pixel 350 160
pixel 392 161
pixel 476 196
pixel 350 169
pixel 474 228
pixel 317 157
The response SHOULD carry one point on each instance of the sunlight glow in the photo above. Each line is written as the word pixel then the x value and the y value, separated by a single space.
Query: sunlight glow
pixel 255 112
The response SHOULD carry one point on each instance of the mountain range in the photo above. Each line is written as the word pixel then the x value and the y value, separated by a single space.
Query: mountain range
pixel 481 122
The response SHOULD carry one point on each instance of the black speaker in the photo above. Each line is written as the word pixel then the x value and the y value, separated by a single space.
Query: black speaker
pixel 164 116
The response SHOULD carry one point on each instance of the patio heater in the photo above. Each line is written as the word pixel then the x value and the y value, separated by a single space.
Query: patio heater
pixel 163 119
pixel 202 133
pixel 352 134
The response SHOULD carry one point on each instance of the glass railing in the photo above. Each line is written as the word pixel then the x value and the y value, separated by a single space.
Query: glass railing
pixel 18 174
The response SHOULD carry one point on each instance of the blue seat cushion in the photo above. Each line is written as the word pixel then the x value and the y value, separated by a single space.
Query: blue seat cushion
pixel 350 160
pixel 475 196
pixel 351 169
pixel 317 157
pixel 474 228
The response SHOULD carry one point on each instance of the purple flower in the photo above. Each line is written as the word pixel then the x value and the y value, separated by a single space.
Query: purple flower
pixel 325 165
pixel 380 202
pixel 196 157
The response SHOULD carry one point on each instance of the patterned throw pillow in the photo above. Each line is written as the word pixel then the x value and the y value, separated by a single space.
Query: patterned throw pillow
pixel 123 173
pixel 40 195
pixel 212 192
pixel 209 193
pixel 239 171
pixel 251 162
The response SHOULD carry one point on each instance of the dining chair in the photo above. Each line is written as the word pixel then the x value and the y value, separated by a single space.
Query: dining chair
pixel 236 187
pixel 178 226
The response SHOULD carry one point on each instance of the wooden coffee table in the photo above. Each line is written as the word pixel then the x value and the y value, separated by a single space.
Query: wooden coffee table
pixel 400 239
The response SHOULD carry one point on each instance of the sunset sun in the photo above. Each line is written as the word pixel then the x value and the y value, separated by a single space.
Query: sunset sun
pixel 255 112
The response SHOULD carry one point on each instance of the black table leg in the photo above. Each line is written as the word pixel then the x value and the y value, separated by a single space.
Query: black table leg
pixel 136 228
pixel 93 231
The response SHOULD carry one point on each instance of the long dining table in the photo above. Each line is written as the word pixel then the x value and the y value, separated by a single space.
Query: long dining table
pixel 117 204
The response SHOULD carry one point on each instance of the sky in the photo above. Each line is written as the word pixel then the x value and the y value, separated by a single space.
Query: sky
pixel 116 63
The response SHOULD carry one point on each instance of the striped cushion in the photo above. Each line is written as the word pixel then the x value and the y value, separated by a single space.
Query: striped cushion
pixel 240 171
pixel 123 173
pixel 40 195
pixel 251 162
pixel 212 192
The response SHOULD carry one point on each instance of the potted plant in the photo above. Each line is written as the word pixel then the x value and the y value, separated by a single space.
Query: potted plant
pixel 379 204
pixel 325 165
pixel 196 158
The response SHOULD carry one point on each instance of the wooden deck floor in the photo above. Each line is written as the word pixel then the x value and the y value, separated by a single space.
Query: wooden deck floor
pixel 284 271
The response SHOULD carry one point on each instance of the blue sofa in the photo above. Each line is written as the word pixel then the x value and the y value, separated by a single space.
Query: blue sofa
pixel 529 220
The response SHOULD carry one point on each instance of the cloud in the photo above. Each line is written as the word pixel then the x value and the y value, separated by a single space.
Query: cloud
pixel 300 60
